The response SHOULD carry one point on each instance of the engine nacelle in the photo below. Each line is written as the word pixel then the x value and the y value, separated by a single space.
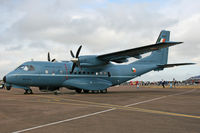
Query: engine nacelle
pixel 47 88
pixel 91 60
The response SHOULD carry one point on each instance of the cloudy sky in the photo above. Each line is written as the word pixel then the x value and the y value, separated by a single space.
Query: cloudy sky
pixel 31 28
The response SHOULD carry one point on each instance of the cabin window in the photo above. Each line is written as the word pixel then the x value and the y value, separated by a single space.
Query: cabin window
pixel 97 73
pixel 61 72
pixel 74 72
pixel 92 73
pixel 79 72
pixel 105 73
pixel 46 71
pixel 101 73
pixel 83 72
pixel 88 73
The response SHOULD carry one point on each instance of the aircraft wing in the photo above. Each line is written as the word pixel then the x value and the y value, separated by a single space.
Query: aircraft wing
pixel 121 56
pixel 173 65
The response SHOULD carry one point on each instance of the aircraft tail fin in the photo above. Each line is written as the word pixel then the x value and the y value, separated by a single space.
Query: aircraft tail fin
pixel 159 57
pixel 164 36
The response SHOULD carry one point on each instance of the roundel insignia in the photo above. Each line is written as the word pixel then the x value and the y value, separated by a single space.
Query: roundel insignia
pixel 133 69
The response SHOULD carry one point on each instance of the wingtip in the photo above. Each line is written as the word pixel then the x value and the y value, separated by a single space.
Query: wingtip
pixel 175 42
pixel 180 42
pixel 192 63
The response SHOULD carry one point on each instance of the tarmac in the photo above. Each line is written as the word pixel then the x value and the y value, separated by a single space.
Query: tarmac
pixel 123 109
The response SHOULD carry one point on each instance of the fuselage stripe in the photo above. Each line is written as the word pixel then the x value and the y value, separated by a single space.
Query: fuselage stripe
pixel 66 72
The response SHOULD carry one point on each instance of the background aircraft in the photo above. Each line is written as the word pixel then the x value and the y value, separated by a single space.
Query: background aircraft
pixel 93 73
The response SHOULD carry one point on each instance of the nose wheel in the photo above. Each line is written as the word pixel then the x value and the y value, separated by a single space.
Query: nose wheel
pixel 78 90
pixel 28 91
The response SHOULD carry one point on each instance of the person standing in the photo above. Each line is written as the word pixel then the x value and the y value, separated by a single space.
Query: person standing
pixel 163 83
pixel 137 84
pixel 174 82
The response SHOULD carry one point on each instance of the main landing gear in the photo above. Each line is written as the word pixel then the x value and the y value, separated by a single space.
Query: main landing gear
pixel 56 92
pixel 93 91
pixel 28 91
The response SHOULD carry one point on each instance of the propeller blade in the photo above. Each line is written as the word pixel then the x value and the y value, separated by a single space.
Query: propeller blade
pixel 73 67
pixel 78 64
pixel 78 51
pixel 72 54
pixel 75 60
pixel 4 79
pixel 48 57
pixel 53 60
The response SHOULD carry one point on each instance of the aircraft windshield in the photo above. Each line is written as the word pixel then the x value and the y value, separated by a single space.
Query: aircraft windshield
pixel 26 68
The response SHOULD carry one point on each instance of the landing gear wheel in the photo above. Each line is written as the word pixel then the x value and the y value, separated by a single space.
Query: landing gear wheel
pixel 2 87
pixel 56 92
pixel 95 91
pixel 78 90
pixel 86 91
pixel 103 91
pixel 8 87
pixel 28 91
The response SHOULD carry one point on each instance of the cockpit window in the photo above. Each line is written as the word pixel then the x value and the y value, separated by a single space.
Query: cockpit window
pixel 26 68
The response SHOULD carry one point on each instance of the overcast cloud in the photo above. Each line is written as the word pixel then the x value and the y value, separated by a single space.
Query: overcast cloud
pixel 31 28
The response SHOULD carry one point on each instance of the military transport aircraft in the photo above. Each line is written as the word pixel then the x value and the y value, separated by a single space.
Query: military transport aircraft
pixel 93 73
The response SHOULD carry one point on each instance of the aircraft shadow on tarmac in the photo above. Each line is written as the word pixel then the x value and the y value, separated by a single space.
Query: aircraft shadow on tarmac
pixel 109 92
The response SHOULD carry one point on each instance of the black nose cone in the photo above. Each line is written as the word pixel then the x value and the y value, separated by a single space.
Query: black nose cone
pixel 4 79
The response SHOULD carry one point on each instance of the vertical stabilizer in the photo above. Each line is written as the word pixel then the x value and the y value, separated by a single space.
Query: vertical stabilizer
pixel 162 54
pixel 160 57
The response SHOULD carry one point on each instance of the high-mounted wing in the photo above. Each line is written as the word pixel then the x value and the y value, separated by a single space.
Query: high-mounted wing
pixel 122 56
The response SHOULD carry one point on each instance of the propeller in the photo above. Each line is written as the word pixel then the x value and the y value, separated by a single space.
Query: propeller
pixel 3 82
pixel 49 59
pixel 75 59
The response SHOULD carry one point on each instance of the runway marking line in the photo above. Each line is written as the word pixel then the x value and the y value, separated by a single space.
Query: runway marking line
pixel 114 107
pixel 130 109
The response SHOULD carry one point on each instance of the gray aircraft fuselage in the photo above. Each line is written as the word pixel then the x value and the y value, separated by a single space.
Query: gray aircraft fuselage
pixel 58 74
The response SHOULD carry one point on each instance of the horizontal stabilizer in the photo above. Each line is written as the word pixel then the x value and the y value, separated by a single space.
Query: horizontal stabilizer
pixel 173 65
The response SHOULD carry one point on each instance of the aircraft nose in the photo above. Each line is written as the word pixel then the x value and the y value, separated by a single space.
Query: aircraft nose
pixel 4 79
